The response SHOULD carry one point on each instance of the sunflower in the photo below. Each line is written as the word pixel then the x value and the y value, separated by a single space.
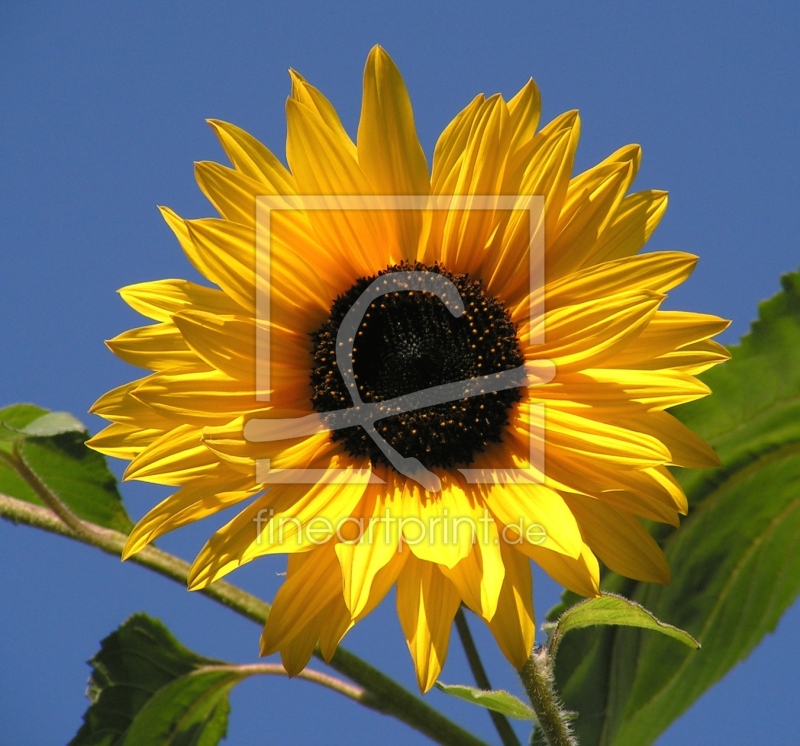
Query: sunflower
pixel 364 526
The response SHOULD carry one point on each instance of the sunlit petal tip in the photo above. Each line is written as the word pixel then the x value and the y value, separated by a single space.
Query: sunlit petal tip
pixel 133 545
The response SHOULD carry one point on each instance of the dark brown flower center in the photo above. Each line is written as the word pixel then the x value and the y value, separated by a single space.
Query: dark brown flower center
pixel 409 341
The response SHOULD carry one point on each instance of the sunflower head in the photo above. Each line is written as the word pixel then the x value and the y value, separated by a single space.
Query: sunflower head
pixel 399 436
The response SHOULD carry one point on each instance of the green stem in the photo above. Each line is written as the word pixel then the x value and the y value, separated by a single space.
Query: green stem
pixel 501 724
pixel 537 678
pixel 356 693
pixel 380 692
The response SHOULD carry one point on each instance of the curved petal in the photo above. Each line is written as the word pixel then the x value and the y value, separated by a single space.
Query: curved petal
pixel 524 111
pixel 288 519
pixel 156 347
pixel 450 147
pixel 198 499
pixel 635 219
pixel 123 441
pixel 335 625
pixel 118 405
pixel 588 208
pixel 619 540
pixel 467 231
pixel 306 94
pixel 376 543
pixel 323 166
pixel 226 253
pixel 312 582
pixel 161 299
pixel 427 602
pixel 479 576
pixel 439 528
pixel 579 574
pixel 537 514
pixel 176 457
pixel 389 152
pixel 587 334
pixel 514 623
pixel 252 159
pixel 228 343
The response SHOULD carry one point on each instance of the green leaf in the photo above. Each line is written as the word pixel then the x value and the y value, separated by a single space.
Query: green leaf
pixel 18 416
pixel 52 446
pixel 734 562
pixel 54 423
pixel 610 609
pixel 146 688
pixel 498 700
pixel 13 419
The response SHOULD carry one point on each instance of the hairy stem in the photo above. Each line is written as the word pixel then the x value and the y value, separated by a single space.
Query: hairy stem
pixel 537 678
pixel 501 724
pixel 381 693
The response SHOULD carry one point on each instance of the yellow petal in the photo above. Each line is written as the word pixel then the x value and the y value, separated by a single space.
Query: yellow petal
pixel 123 441
pixel 312 582
pixel 692 359
pixel 231 192
pixel 296 653
pixel 389 152
pixel 378 539
pixel 524 110
pixel 235 197
pixel 628 154
pixel 226 253
pixel 288 519
pixel 451 144
pixel 656 389
pixel 306 452
pixel 336 623
pixel 252 159
pixel 427 602
pixel 228 343
pixel 479 576
pixel 668 331
pixel 156 347
pixel 619 540
pixel 550 165
pixel 467 231
pixel 658 272
pixel 587 334
pixel 514 624
pixel 313 98
pixel 579 574
pixel 598 440
pixel 634 221
pixel 118 405
pixel 161 299
pixel 323 166
pixel 202 396
pixel 200 498
pixel 537 514
pixel 384 580
pixel 588 208
pixel 642 492
pixel 686 448
pixel 174 458
pixel 439 527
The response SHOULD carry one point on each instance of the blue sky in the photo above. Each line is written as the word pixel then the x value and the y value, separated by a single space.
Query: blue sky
pixel 102 109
